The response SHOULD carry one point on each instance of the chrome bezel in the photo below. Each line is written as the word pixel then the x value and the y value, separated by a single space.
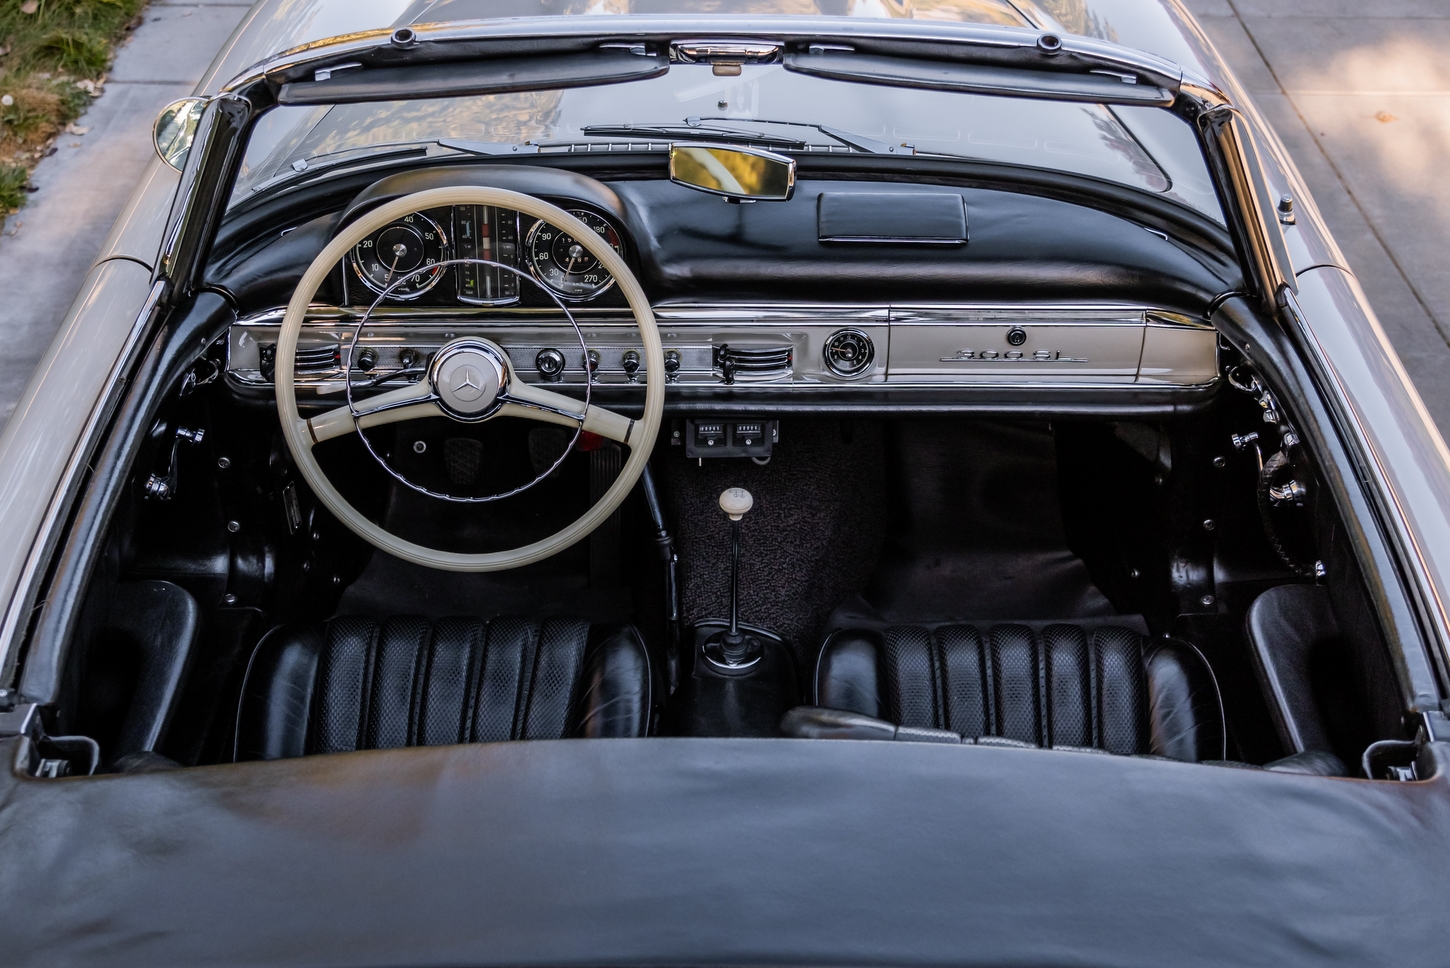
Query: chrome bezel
pixel 367 280
pixel 489 352
pixel 865 367
pixel 463 300
pixel 534 270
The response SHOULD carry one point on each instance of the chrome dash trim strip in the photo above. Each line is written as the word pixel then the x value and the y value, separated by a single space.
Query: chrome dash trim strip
pixel 916 314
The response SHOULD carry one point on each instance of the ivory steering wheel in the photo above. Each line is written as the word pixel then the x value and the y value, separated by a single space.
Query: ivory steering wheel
pixel 470 379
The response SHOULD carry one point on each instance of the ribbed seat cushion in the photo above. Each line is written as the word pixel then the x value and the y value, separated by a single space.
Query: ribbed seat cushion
pixel 1048 684
pixel 363 683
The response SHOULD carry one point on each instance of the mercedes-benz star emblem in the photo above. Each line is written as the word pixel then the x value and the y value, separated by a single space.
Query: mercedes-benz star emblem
pixel 467 384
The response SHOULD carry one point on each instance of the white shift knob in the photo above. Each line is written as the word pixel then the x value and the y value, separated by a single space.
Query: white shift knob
pixel 735 501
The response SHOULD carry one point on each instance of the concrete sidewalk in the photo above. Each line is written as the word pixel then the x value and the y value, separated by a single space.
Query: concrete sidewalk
pixel 50 244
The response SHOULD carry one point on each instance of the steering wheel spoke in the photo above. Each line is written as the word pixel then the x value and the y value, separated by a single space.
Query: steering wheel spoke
pixel 536 403
pixel 405 403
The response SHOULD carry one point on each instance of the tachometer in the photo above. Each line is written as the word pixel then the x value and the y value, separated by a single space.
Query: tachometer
pixel 407 253
pixel 564 266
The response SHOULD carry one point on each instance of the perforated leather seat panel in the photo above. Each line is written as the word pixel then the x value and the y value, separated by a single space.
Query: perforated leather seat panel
pixel 363 683
pixel 1048 684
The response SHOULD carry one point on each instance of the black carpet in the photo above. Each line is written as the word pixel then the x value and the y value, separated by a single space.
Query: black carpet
pixel 976 527
pixel 922 520
pixel 811 541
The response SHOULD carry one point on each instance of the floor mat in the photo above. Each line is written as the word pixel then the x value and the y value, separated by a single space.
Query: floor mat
pixel 976 527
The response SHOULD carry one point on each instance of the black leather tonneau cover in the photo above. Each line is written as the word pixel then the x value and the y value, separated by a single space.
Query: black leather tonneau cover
pixel 697 851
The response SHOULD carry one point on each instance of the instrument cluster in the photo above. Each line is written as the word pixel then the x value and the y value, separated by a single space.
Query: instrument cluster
pixel 518 259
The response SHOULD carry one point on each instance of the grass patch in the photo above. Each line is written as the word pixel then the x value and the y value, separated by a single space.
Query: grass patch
pixel 13 179
pixel 53 59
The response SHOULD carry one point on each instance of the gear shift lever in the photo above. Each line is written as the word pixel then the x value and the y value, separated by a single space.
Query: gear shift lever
pixel 732 649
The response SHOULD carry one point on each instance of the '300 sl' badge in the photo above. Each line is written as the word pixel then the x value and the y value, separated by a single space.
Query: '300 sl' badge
pixel 1010 356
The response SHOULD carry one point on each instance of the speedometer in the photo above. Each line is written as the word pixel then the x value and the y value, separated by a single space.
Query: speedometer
pixel 403 258
pixel 565 267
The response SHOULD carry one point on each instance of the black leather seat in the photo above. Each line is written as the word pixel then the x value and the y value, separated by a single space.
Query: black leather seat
pixel 361 683
pixel 1099 687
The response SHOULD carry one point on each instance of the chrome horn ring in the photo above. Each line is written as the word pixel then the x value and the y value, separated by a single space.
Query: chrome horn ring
pixel 491 377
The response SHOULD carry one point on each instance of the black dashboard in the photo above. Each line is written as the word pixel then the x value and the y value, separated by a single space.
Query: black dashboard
pixel 1045 301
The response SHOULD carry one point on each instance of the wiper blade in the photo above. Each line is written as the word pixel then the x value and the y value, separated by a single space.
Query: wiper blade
pixel 490 148
pixel 701 132
pixel 848 138
pixel 329 160
pixel 367 154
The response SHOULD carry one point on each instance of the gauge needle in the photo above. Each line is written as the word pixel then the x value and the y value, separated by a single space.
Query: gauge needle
pixel 575 251
pixel 399 251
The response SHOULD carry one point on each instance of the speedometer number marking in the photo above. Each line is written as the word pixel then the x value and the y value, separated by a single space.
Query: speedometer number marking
pixel 397 258
pixel 565 267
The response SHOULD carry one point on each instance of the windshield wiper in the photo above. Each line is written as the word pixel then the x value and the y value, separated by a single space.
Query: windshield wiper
pixel 368 154
pixel 698 128
pixel 331 159
pixel 328 160
pixel 696 132
pixel 848 138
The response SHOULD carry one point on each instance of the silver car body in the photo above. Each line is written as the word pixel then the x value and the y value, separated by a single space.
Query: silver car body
pixel 1399 455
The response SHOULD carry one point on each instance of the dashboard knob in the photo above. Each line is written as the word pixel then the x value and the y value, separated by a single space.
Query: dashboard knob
pixel 630 362
pixel 672 365
pixel 549 363
pixel 849 352
pixel 367 359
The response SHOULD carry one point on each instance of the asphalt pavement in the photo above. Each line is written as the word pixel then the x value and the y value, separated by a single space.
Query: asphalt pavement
pixel 1360 92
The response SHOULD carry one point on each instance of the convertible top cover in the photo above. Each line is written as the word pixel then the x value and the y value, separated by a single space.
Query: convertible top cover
pixel 693 851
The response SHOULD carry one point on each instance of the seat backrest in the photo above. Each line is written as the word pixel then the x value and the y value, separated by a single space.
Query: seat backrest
pixel 1050 684
pixel 363 683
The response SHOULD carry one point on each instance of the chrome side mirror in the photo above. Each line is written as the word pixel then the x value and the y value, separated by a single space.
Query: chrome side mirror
pixel 175 129
pixel 746 174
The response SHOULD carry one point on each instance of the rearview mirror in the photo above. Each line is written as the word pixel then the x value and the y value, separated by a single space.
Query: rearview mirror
pixel 175 129
pixel 739 173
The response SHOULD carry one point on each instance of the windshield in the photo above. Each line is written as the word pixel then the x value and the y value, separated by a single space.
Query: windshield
pixel 1148 149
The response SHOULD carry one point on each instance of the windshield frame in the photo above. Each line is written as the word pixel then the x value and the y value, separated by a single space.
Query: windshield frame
pixel 1233 165
pixel 1148 149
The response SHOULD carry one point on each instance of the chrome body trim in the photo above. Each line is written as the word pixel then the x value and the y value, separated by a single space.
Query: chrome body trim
pixel 1409 477
pixel 22 598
